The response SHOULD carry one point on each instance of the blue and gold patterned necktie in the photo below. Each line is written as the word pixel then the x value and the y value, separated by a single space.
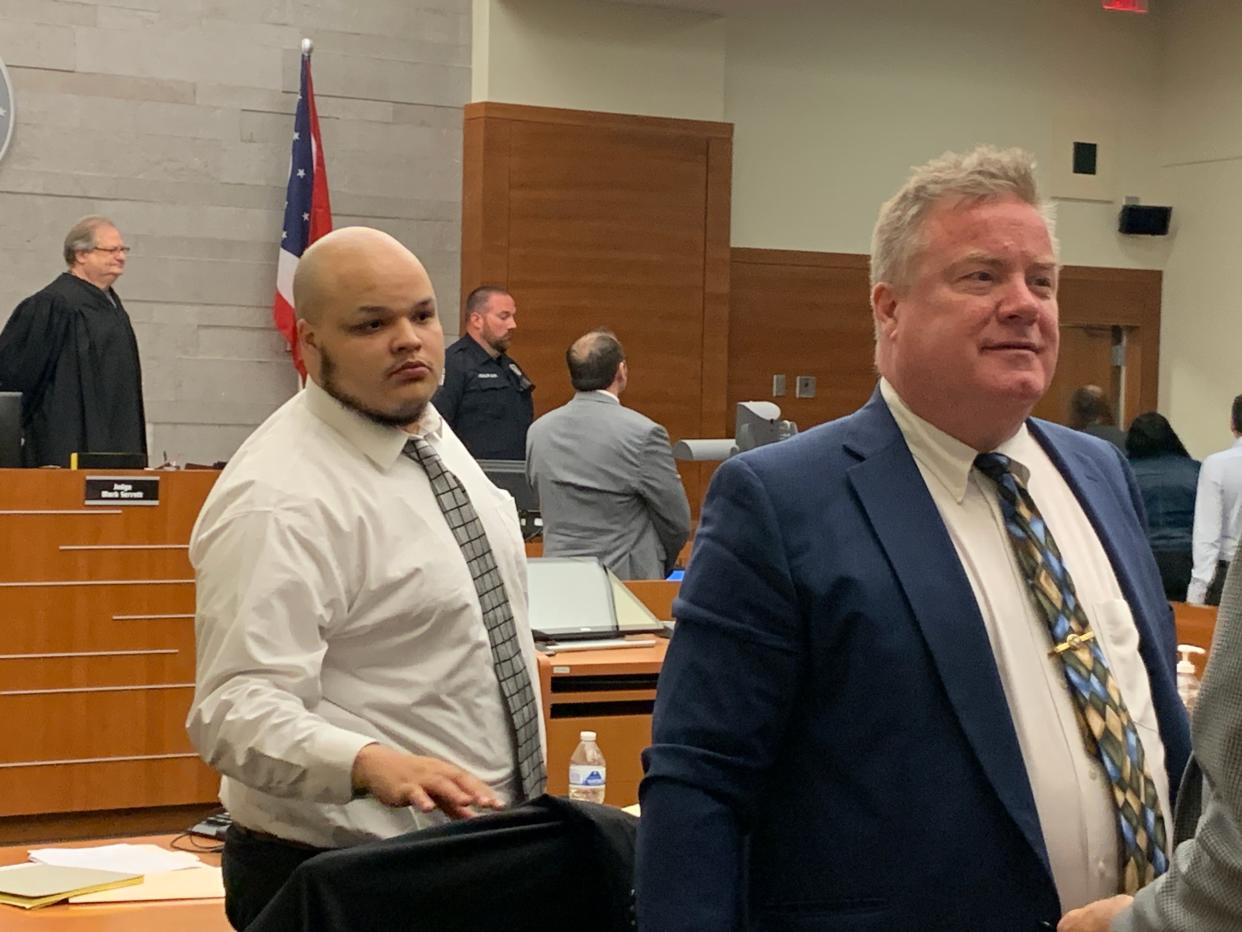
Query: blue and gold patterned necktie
pixel 507 659
pixel 1107 727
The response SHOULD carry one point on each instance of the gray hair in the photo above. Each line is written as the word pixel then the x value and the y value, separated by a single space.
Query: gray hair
pixel 981 174
pixel 81 236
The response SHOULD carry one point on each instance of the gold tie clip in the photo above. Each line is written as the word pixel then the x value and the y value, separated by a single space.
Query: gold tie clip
pixel 1073 642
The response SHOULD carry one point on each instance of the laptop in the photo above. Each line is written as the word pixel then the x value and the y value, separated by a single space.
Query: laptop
pixel 579 599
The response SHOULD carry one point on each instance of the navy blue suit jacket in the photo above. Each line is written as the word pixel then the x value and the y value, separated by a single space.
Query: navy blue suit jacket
pixel 832 746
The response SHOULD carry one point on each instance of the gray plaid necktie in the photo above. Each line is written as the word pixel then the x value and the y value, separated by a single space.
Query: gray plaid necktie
pixel 507 658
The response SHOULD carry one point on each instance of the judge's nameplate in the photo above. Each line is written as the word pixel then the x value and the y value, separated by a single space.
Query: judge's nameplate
pixel 122 490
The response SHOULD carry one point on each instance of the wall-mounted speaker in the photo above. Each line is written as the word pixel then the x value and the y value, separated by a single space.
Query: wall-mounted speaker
pixel 1145 220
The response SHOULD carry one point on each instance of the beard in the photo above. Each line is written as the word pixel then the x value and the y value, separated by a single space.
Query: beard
pixel 402 417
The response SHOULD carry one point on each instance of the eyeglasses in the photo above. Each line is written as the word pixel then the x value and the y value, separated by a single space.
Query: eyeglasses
pixel 113 250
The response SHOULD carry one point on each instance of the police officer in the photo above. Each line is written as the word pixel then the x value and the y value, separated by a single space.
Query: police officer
pixel 486 398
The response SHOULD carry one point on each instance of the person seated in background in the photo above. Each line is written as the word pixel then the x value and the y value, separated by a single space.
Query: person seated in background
pixel 1167 477
pixel 607 483
pixel 1090 413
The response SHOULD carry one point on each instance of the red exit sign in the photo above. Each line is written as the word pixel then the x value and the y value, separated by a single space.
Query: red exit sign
pixel 1126 6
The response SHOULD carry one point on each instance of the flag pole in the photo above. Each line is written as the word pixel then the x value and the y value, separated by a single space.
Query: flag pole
pixel 307 47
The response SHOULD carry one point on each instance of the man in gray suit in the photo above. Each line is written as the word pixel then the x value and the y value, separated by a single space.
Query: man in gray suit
pixel 1203 889
pixel 605 475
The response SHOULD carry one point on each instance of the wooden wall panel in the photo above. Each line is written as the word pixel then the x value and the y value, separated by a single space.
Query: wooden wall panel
pixel 800 313
pixel 594 219
pixel 1104 297
pixel 807 313
pixel 96 646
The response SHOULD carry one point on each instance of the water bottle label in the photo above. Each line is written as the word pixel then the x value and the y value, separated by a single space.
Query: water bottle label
pixel 586 775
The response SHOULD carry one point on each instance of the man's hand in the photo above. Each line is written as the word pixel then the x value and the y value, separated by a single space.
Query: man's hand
pixel 1094 917
pixel 426 783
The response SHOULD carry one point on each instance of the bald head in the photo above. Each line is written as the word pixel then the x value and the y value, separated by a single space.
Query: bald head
pixel 596 361
pixel 344 264
pixel 1089 405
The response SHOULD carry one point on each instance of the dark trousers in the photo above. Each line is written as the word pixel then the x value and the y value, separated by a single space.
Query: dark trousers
pixel 1175 571
pixel 255 867
pixel 1218 583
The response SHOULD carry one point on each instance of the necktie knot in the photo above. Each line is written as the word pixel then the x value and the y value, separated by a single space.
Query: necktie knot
pixel 418 449
pixel 994 465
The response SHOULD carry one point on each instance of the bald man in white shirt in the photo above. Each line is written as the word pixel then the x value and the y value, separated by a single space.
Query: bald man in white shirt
pixel 347 687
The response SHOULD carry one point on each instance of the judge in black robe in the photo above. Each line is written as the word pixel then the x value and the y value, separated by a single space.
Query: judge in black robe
pixel 70 350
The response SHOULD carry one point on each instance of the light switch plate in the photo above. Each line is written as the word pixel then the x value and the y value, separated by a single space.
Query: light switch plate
pixel 804 387
pixel 778 386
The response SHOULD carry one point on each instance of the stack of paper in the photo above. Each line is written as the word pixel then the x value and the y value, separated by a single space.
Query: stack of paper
pixel 126 858
pixel 33 885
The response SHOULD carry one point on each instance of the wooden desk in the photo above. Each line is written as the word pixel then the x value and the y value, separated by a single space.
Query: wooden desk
pixel 610 692
pixel 182 916
pixel 96 648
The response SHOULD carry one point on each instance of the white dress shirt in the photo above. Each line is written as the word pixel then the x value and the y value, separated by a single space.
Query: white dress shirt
pixel 1071 789
pixel 1218 517
pixel 334 610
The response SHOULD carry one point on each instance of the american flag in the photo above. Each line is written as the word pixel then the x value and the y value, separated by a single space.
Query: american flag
pixel 308 214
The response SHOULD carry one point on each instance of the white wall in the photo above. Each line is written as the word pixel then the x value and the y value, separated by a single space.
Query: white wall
pixel 592 55
pixel 833 102
pixel 1201 153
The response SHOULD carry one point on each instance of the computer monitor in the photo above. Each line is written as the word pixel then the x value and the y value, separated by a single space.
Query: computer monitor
pixel 10 430
pixel 510 475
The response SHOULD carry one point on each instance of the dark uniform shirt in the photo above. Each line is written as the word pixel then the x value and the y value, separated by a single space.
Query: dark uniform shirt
pixel 486 401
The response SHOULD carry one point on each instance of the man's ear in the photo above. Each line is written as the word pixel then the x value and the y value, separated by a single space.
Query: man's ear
pixel 307 338
pixel 884 308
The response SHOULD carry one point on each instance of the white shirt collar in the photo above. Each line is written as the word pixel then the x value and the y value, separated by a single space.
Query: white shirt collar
pixel 603 392
pixel 946 457
pixel 382 445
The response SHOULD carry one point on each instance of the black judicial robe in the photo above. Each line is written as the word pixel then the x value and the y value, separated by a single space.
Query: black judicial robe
pixel 70 350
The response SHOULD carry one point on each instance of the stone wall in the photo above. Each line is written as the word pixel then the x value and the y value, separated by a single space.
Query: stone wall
pixel 174 118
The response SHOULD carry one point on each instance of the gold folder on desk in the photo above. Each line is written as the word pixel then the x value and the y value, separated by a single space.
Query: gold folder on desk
pixel 30 886
pixel 193 883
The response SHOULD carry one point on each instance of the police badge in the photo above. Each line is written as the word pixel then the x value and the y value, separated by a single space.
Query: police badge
pixel 6 109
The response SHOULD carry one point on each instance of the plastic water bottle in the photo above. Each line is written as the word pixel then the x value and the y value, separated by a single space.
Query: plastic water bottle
pixel 1187 682
pixel 587 771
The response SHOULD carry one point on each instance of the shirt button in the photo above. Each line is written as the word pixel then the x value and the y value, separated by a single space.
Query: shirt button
pixel 1095 775
pixel 1101 868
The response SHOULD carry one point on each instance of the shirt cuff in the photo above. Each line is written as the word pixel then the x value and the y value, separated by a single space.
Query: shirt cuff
pixel 331 774
pixel 1196 592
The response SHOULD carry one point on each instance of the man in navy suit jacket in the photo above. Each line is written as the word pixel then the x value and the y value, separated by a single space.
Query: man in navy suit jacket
pixel 862 723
